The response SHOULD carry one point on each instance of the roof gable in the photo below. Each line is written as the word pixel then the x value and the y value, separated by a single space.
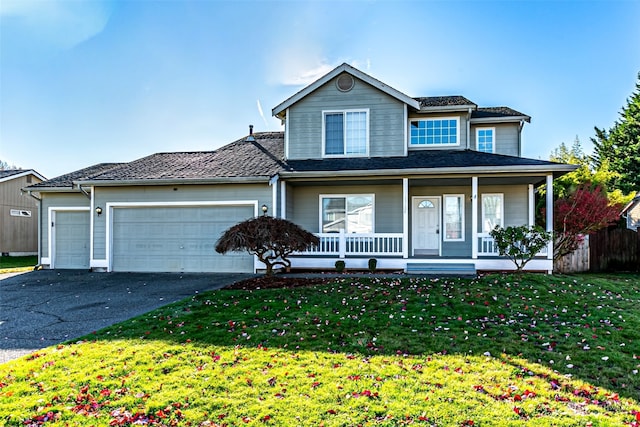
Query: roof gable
pixel 9 174
pixel 344 68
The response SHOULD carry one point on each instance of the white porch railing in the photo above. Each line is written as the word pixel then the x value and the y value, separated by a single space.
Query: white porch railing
pixel 487 246
pixel 344 244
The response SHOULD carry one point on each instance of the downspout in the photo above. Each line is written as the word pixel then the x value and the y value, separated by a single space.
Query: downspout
pixel 469 129
pixel 30 193
pixel 84 192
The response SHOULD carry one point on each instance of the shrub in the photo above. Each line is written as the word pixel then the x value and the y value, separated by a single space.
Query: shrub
pixel 373 264
pixel 340 265
pixel 520 244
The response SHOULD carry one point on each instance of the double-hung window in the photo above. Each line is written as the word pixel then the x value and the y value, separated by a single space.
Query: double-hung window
pixel 453 217
pixel 352 213
pixel 492 211
pixel 345 133
pixel 442 131
pixel 485 140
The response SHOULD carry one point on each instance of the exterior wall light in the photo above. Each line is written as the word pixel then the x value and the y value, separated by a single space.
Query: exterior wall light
pixel 99 210
pixel 264 210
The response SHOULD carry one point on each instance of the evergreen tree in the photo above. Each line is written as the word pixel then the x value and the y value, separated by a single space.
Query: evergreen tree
pixel 620 146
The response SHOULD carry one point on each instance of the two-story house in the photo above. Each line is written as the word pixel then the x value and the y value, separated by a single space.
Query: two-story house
pixel 417 183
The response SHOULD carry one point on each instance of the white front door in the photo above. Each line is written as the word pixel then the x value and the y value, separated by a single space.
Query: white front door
pixel 426 226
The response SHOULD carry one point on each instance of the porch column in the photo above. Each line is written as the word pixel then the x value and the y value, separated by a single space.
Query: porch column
pixel 550 214
pixel 474 217
pixel 532 201
pixel 274 196
pixel 283 200
pixel 405 217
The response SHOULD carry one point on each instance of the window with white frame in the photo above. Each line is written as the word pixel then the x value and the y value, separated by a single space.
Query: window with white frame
pixel 434 132
pixel 492 211
pixel 453 218
pixel 485 140
pixel 352 213
pixel 346 133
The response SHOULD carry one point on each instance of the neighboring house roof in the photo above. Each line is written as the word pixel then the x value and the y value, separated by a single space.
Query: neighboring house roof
pixel 66 181
pixel 344 68
pixel 242 160
pixel 635 201
pixel 9 174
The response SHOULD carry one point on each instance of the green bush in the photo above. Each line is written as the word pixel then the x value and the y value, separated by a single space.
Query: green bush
pixel 340 265
pixel 520 244
pixel 373 265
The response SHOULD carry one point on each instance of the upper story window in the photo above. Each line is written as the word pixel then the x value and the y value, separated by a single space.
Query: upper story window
pixel 434 132
pixel 485 140
pixel 346 133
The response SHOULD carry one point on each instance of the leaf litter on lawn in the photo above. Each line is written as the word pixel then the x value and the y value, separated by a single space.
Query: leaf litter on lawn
pixel 355 351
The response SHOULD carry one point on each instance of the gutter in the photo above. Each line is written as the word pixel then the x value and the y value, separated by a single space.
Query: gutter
pixel 174 181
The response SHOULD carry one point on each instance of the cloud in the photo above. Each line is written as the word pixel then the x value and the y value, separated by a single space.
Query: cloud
pixel 264 119
pixel 52 24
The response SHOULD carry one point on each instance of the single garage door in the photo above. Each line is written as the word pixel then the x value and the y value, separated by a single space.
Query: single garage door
pixel 71 230
pixel 176 239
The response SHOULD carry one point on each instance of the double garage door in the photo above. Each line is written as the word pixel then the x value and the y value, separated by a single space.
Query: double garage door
pixel 176 239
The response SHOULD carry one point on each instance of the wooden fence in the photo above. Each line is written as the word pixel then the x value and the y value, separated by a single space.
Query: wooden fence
pixel 575 262
pixel 616 249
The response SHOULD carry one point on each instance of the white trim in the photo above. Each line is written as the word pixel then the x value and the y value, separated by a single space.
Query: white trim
pixel 493 138
pixel 344 195
pixel 91 225
pixel 440 145
pixel 286 135
pixel 439 239
pixel 345 68
pixel 274 196
pixel 501 197
pixel 405 217
pixel 133 205
pixel 462 215
pixel 407 126
pixel 474 217
pixel 344 134
pixel 51 216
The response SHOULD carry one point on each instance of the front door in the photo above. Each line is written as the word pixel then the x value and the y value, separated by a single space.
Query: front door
pixel 426 226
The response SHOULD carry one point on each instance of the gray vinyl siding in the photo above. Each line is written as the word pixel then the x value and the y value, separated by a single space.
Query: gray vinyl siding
pixel 507 139
pixel 516 199
pixel 386 120
pixel 462 130
pixel 176 193
pixel 50 200
pixel 18 233
pixel 387 205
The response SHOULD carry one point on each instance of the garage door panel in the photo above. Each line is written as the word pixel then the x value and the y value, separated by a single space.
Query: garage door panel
pixel 71 229
pixel 176 239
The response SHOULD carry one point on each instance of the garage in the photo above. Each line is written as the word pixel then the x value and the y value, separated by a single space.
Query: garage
pixel 176 239
pixel 71 239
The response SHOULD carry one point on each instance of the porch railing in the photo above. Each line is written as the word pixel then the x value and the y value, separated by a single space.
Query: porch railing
pixel 487 246
pixel 344 244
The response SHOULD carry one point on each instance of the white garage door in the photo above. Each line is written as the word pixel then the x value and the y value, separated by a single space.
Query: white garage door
pixel 71 230
pixel 176 239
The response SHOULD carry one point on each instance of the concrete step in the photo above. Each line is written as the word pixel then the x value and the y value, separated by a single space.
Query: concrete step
pixel 429 269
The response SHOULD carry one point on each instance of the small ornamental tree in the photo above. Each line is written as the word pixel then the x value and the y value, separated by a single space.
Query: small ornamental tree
pixel 585 211
pixel 271 239
pixel 520 244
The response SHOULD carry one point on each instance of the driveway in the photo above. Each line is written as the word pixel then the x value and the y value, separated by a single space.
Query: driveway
pixel 46 307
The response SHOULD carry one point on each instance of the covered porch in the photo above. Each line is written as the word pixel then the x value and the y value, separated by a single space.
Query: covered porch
pixel 404 221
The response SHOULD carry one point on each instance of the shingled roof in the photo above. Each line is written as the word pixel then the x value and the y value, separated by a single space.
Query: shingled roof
pixel 67 180
pixel 443 101
pixel 262 158
pixel 497 112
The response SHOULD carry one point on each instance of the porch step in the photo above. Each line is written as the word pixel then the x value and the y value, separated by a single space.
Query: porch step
pixel 455 269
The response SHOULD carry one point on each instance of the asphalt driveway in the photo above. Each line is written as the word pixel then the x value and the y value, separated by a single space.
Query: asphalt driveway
pixel 46 307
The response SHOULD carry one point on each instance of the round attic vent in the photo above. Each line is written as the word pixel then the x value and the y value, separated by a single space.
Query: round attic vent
pixel 345 82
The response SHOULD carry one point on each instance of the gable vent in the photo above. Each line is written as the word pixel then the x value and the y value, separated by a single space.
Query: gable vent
pixel 345 82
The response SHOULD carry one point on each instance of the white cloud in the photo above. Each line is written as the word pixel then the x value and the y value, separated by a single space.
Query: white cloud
pixel 261 112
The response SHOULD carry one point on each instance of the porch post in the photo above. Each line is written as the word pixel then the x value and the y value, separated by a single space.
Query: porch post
pixel 550 214
pixel 532 201
pixel 405 218
pixel 342 244
pixel 474 217
pixel 283 200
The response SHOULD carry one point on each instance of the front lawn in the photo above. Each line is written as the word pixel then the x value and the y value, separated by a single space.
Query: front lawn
pixel 500 350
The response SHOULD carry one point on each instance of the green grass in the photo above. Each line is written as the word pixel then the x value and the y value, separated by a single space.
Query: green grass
pixel 11 264
pixel 527 350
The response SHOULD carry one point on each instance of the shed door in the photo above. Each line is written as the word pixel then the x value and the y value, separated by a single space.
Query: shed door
pixel 71 230
pixel 176 239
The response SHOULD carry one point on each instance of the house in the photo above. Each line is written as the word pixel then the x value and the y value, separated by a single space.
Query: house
pixel 631 213
pixel 18 214
pixel 417 183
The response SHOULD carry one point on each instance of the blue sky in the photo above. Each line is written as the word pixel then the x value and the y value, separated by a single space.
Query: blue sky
pixel 84 82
